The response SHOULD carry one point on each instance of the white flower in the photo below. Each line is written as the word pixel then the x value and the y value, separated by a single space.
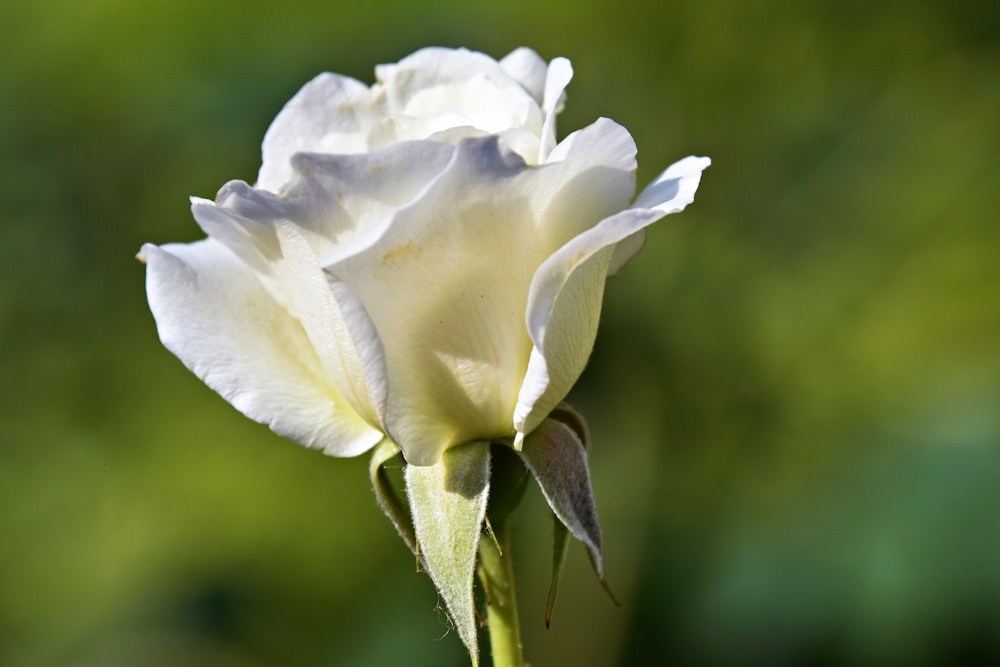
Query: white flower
pixel 418 259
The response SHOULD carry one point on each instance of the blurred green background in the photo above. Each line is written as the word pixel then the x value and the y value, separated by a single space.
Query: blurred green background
pixel 795 396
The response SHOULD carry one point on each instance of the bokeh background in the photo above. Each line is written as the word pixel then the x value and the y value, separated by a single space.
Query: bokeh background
pixel 795 396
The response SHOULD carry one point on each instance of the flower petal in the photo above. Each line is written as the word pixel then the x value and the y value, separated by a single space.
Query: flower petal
pixel 343 202
pixel 564 303
pixel 454 310
pixel 674 189
pixel 603 142
pixel 458 83
pixel 556 79
pixel 448 502
pixel 448 94
pixel 589 176
pixel 213 313
pixel 528 69
pixel 625 250
pixel 335 322
pixel 335 204
pixel 330 114
pixel 661 192
pixel 460 259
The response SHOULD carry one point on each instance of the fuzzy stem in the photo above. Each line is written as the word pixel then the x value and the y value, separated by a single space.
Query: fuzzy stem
pixel 497 574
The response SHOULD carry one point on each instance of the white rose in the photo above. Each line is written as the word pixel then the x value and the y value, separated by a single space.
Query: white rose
pixel 418 259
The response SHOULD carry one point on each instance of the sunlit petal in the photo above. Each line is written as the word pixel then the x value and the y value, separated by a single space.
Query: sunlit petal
pixel 216 316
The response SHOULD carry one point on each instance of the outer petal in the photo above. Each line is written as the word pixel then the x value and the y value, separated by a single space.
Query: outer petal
pixel 625 250
pixel 335 205
pixel 674 189
pixel 591 175
pixel 335 322
pixel 330 114
pixel 447 283
pixel 659 192
pixel 564 303
pixel 213 313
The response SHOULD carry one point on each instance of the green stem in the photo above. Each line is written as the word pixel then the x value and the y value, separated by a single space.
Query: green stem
pixel 497 574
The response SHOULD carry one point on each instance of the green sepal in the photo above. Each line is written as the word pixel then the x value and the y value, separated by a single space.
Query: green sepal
pixel 555 456
pixel 560 546
pixel 448 503
pixel 569 416
pixel 385 493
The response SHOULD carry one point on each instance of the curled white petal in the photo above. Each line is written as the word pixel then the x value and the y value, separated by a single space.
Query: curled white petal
pixel 661 192
pixel 258 228
pixel 674 189
pixel 564 303
pixel 213 313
